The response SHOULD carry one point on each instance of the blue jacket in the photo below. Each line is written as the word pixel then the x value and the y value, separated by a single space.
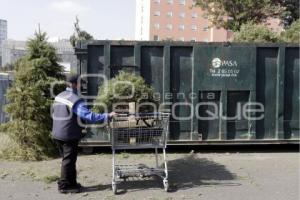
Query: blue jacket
pixel 67 108
pixel 81 110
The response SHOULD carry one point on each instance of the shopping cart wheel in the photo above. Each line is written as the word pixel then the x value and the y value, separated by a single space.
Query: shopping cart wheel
pixel 114 187
pixel 166 185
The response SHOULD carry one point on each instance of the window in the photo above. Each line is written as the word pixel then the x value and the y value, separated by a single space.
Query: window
pixel 156 38
pixel 194 15
pixel 156 1
pixel 156 25
pixel 182 2
pixel 194 27
pixel 194 2
pixel 169 14
pixel 193 39
pixel 169 26
pixel 205 16
pixel 170 2
pixel 206 28
pixel 156 13
pixel 181 15
pixel 181 27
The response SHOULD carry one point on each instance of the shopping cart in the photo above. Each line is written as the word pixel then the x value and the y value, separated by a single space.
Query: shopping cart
pixel 139 131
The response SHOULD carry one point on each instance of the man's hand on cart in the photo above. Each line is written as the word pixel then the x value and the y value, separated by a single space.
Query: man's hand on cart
pixel 112 114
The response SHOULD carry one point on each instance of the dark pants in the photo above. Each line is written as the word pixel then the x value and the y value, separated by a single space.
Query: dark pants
pixel 68 150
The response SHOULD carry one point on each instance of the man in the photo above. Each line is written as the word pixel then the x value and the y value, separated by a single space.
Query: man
pixel 67 132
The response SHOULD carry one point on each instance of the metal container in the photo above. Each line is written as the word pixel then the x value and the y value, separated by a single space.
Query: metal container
pixel 193 76
pixel 4 84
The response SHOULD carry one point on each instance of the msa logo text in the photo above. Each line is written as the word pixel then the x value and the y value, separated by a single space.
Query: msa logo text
pixel 217 62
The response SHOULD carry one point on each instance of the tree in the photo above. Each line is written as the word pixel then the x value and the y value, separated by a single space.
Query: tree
pixel 231 14
pixel 79 34
pixel 292 33
pixel 290 12
pixel 30 100
pixel 108 95
pixel 251 32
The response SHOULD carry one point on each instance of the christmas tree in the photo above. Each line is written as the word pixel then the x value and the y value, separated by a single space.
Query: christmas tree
pixel 30 101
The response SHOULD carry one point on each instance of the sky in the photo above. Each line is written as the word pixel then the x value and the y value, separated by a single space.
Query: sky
pixel 104 19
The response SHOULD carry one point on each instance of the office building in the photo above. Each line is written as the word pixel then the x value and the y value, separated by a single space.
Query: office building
pixel 177 20
pixel 3 35
pixel 13 50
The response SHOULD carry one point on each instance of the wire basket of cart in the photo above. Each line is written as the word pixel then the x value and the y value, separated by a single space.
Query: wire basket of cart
pixel 139 131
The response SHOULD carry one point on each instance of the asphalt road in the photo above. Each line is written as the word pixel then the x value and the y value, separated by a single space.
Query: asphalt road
pixel 220 176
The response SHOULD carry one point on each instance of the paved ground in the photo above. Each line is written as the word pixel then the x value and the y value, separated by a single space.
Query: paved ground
pixel 232 176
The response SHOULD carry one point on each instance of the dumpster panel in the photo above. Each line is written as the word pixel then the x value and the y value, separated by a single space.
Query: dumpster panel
pixel 266 93
pixel 181 86
pixel 121 58
pixel 95 59
pixel 4 84
pixel 209 127
pixel 291 94
pixel 225 67
pixel 152 67
pixel 237 125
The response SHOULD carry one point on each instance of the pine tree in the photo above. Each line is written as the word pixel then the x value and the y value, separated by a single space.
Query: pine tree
pixel 108 94
pixel 79 34
pixel 30 100
pixel 292 33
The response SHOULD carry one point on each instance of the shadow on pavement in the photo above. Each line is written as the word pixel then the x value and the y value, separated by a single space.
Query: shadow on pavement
pixel 131 184
pixel 95 188
pixel 184 173
pixel 191 172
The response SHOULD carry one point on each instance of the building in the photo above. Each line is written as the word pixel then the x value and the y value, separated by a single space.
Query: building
pixel 175 20
pixel 13 50
pixel 3 35
pixel 65 52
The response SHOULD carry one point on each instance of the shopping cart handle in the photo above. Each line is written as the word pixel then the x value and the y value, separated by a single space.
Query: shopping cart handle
pixel 140 114
pixel 122 115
